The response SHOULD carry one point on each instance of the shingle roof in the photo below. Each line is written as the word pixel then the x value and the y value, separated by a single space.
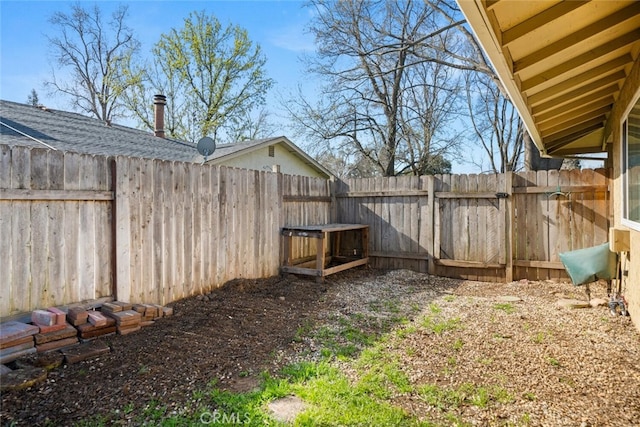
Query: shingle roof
pixel 21 123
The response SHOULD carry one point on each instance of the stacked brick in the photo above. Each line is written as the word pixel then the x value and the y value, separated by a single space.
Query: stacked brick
pixel 53 329
pixel 16 340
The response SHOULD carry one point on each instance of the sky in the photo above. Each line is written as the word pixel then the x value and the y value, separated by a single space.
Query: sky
pixel 279 27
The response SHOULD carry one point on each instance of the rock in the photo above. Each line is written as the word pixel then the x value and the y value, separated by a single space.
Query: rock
pixel 19 379
pixel 573 303
pixel 286 409
pixel 508 298
pixel 598 302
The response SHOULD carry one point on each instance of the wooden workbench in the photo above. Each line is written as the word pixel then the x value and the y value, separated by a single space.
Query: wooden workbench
pixel 338 259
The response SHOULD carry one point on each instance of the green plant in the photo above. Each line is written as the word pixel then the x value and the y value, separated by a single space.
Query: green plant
pixel 506 307
pixel 553 362
pixel 457 344
pixel 439 326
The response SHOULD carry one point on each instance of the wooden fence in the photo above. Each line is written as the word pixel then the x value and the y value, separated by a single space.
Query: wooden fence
pixel 78 227
pixel 481 227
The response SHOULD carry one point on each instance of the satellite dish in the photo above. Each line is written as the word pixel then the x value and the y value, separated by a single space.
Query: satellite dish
pixel 206 146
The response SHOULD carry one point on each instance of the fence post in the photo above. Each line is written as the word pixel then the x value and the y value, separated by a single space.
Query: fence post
pixel 431 266
pixel 506 206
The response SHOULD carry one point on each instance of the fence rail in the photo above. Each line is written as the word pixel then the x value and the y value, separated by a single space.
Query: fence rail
pixel 78 227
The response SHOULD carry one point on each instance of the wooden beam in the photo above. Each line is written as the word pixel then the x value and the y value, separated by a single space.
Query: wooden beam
pixel 573 85
pixel 575 131
pixel 391 193
pixel 609 84
pixel 554 145
pixel 555 12
pixel 579 61
pixel 565 188
pixel 461 195
pixel 400 255
pixel 591 102
pixel 594 29
pixel 466 264
pixel 325 199
pixel 555 265
pixel 61 195
pixel 563 122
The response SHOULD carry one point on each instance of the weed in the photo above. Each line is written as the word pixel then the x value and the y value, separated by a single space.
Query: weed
pixel 440 326
pixel 506 307
pixel 457 344
pixel 554 362
pixel 529 396
pixel 435 308
pixel 450 298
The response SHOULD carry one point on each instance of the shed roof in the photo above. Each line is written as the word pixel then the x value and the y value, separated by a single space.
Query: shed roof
pixel 563 64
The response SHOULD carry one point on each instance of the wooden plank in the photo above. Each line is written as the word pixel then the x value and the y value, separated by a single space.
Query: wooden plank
pixel 554 265
pixel 307 199
pixel 507 214
pixel 6 225
pixel 123 230
pixel 345 194
pixel 35 194
pixel 464 194
pixel 169 249
pixel 400 255
pixel 156 228
pixel 550 189
pixel 188 195
pixel 466 264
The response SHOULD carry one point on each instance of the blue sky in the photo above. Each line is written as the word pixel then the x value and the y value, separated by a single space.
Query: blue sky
pixel 278 26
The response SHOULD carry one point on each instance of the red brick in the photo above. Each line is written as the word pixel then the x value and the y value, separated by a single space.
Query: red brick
pixel 77 315
pixel 140 308
pixel 10 331
pixel 126 317
pixel 89 327
pixel 52 328
pixel 147 323
pixel 68 332
pixel 97 319
pixel 98 332
pixel 85 351
pixel 168 311
pixel 108 307
pixel 17 341
pixel 128 330
pixel 43 318
pixel 60 315
pixel 125 305
pixel 7 353
pixel 54 345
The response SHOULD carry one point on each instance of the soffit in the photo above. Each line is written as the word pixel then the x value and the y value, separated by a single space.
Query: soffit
pixel 563 63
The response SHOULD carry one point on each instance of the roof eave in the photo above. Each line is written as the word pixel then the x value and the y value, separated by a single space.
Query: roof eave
pixel 481 27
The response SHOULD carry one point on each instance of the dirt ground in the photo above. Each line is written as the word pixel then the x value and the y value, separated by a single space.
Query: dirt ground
pixel 236 332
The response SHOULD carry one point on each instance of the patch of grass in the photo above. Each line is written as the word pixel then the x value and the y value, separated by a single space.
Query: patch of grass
pixel 457 344
pixel 529 396
pixel 439 326
pixel 554 362
pixel 435 308
pixel 449 298
pixel 541 337
pixel 466 394
pixel 505 306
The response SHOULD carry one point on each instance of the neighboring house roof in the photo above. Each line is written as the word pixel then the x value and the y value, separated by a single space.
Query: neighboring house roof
pixel 26 125
pixel 563 64
pixel 226 152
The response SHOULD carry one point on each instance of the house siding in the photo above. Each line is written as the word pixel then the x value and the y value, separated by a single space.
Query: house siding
pixel 627 96
pixel 260 160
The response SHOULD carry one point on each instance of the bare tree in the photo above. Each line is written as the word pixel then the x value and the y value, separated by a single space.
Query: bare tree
pixel 375 89
pixel 95 52
pixel 495 123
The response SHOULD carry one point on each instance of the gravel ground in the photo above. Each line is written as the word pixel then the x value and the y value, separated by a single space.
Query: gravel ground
pixel 558 366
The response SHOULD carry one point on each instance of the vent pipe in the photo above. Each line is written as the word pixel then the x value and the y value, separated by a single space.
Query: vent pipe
pixel 159 101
